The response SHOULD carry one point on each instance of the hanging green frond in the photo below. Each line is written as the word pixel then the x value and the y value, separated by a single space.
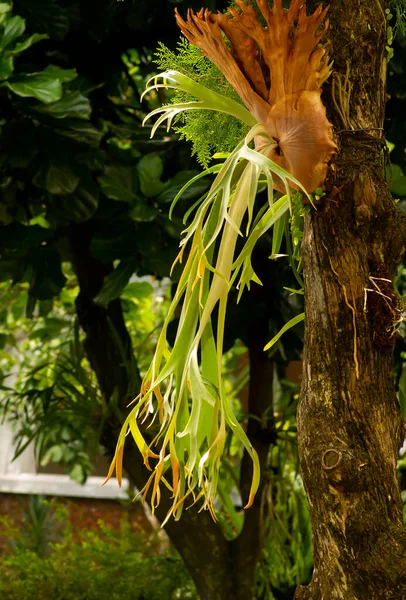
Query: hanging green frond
pixel 183 387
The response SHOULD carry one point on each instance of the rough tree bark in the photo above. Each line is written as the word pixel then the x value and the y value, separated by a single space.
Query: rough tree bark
pixel 349 423
pixel 221 569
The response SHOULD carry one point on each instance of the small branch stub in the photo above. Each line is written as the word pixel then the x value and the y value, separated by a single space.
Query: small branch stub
pixel 330 459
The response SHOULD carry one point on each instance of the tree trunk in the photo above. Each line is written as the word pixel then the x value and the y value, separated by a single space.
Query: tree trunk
pixel 349 424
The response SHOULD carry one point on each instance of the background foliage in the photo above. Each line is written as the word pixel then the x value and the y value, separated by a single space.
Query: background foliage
pixel 68 565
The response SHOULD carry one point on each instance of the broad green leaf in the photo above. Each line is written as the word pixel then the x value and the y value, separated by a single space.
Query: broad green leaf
pixel 176 184
pixel 52 327
pixel 64 75
pixel 72 105
pixel 57 178
pixel 138 290
pixel 82 204
pixel 116 241
pixel 54 454
pixel 30 41
pixel 398 184
pixel 77 473
pixel 117 183
pixel 36 85
pixel 149 170
pixel 46 85
pixel 114 283
pixel 13 28
pixel 47 278
pixel 77 207
pixel 143 211
pixel 79 131
pixel 285 328
pixel 6 67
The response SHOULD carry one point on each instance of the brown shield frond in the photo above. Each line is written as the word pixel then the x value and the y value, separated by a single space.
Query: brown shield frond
pixel 277 70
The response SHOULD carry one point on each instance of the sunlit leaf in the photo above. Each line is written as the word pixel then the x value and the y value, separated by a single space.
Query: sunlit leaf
pixel 27 43
pixel 285 328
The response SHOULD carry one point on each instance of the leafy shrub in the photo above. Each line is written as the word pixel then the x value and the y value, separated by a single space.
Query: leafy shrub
pixel 93 565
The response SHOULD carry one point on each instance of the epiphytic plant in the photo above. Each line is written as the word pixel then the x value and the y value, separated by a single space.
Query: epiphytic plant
pixel 277 71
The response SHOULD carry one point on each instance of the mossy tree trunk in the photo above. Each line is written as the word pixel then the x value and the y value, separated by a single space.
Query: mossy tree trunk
pixel 349 424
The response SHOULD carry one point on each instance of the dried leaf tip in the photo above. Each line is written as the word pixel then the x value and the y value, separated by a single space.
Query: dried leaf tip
pixel 278 71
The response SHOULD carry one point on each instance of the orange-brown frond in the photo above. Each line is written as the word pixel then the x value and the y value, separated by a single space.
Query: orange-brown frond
pixel 203 30
pixel 248 58
pixel 278 71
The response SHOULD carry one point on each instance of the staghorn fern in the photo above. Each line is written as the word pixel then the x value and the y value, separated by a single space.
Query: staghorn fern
pixel 183 386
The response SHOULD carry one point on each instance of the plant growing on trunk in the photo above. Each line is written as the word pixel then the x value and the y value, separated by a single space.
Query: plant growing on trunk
pixel 350 426
pixel 277 72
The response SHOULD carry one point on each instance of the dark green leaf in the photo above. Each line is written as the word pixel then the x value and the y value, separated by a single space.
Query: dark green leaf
pixel 57 178
pixel 149 238
pixel 22 237
pixel 44 16
pixel 149 171
pixel 13 28
pixel 118 183
pixel 117 240
pixel 77 207
pixel 158 256
pixel 78 130
pixel 19 155
pixel 12 267
pixel 83 203
pixel 47 278
pixel 72 105
pixel 175 185
pixel 115 282
pixel 143 210
pixel 21 46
